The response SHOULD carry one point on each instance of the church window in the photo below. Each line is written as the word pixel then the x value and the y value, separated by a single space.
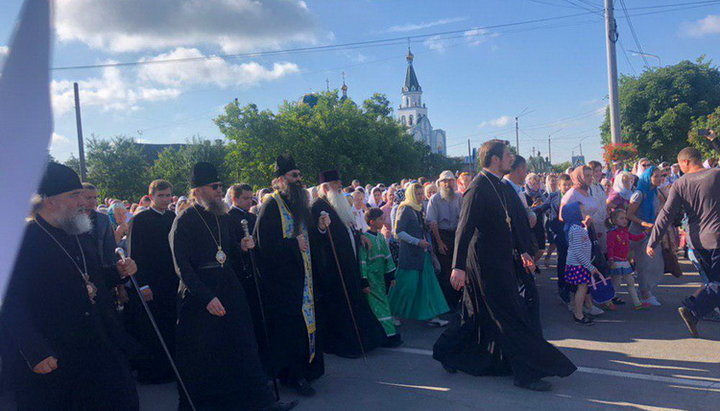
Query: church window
pixel 402 120
pixel 411 119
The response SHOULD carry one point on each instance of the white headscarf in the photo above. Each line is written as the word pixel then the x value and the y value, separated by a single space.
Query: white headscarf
pixel 620 188
pixel 371 200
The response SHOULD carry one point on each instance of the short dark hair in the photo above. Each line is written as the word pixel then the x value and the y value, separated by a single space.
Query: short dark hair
pixel 690 153
pixel 489 149
pixel 237 189
pixel 159 185
pixel 88 186
pixel 594 164
pixel 564 177
pixel 518 162
pixel 373 214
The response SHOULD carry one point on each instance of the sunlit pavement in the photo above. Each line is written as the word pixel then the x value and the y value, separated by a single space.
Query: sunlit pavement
pixel 627 360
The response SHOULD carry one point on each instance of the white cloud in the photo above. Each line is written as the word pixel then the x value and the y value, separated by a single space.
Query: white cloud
pixel 424 25
pixel 213 70
pixel 501 121
pixel 476 37
pixel 4 51
pixel 437 43
pixel 111 91
pixel 125 89
pixel 708 25
pixel 58 139
pixel 232 25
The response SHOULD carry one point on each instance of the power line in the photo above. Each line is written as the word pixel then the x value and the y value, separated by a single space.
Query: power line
pixel 330 47
pixel 627 58
pixel 634 34
pixel 374 43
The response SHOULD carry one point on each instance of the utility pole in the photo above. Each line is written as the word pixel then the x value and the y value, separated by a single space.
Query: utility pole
pixel 470 162
pixel 549 152
pixel 78 122
pixel 611 37
pixel 517 136
pixel 581 149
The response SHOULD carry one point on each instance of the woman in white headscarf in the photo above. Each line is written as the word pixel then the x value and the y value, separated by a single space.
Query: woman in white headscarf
pixel 376 197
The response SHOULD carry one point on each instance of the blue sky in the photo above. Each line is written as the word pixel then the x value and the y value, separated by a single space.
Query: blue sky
pixel 474 81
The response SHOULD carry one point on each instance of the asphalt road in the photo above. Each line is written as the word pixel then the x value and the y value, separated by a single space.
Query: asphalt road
pixel 628 360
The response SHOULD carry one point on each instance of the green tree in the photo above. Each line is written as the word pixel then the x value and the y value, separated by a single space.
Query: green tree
pixel 560 168
pixel 175 165
pixel 539 164
pixel 117 167
pixel 362 142
pixel 710 121
pixel 73 162
pixel 657 108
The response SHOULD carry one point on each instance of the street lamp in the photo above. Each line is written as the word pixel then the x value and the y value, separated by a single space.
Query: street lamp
pixel 637 53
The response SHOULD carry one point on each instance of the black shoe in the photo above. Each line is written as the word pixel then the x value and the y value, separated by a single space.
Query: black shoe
pixel 690 320
pixel 282 406
pixel 586 320
pixel 537 385
pixel 449 369
pixel 393 341
pixel 304 388
pixel 618 301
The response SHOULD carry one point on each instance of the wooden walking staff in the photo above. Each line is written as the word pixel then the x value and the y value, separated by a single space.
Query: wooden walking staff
pixel 256 280
pixel 347 296
pixel 120 252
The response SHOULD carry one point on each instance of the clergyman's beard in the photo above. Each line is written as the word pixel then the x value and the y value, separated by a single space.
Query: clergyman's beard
pixel 298 201
pixel 75 221
pixel 342 207
pixel 447 193
pixel 214 206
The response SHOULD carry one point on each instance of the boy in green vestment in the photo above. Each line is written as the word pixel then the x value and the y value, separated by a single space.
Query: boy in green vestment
pixel 378 270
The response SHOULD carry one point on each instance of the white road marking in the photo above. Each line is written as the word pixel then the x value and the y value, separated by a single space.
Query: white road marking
pixel 601 371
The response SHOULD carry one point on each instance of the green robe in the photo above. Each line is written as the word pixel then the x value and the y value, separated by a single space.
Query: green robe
pixel 377 266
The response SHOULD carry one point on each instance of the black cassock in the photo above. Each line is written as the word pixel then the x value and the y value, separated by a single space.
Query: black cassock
pixel 244 269
pixel 499 332
pixel 47 312
pixel 217 356
pixel 150 248
pixel 283 275
pixel 336 326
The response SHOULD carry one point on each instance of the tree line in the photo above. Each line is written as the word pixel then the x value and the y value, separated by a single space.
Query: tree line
pixel 322 132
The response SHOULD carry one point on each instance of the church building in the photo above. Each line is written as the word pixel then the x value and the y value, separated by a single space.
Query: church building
pixel 413 113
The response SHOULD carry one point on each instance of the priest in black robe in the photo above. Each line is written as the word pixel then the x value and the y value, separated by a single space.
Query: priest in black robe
pixel 288 289
pixel 69 348
pixel 150 248
pixel 348 326
pixel 497 333
pixel 241 199
pixel 216 350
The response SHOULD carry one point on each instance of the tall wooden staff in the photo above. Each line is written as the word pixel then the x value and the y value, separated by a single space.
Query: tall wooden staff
pixel 120 252
pixel 345 291
pixel 256 280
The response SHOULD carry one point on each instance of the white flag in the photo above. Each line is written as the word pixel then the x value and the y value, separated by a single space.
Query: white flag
pixel 25 125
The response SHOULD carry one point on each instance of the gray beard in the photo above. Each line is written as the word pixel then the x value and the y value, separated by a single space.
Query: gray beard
pixel 447 194
pixel 214 206
pixel 75 222
pixel 342 207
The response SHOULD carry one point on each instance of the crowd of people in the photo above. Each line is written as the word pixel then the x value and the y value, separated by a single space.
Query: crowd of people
pixel 232 290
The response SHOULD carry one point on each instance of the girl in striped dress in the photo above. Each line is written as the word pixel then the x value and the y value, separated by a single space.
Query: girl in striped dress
pixel 579 268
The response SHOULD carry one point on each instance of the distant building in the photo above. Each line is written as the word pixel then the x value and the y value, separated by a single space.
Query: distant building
pixel 413 113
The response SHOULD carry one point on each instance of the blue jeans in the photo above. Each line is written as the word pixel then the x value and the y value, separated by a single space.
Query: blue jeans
pixel 709 297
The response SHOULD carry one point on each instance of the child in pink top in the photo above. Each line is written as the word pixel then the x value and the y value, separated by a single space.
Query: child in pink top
pixel 618 247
